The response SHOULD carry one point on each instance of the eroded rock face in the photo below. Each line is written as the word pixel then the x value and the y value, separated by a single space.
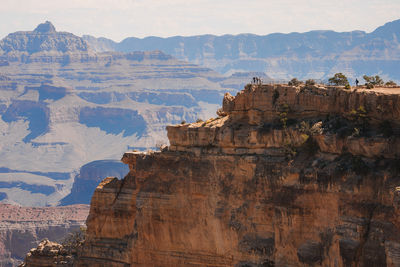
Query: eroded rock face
pixel 253 124
pixel 247 190
pixel 259 104
pixel 22 228
pixel 48 254
pixel 220 210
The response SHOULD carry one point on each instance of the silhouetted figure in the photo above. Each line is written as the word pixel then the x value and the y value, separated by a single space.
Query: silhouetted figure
pixel 357 82
pixel 256 80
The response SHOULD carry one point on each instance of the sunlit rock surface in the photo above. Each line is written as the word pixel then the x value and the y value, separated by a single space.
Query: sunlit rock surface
pixel 265 184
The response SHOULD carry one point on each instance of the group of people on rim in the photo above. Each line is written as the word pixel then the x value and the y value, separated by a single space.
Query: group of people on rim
pixel 256 80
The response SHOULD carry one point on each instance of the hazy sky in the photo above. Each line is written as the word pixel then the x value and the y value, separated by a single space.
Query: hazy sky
pixel 118 19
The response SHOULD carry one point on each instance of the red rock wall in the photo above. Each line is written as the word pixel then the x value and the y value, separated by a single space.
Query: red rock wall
pixel 183 210
pixel 231 192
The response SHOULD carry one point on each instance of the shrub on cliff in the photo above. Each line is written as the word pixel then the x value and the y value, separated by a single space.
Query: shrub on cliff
pixel 310 82
pixel 339 79
pixel 390 83
pixel 74 241
pixel 294 82
pixel 360 121
pixel 283 115
pixel 372 81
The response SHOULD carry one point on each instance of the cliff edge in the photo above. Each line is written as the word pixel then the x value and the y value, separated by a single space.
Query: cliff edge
pixel 285 176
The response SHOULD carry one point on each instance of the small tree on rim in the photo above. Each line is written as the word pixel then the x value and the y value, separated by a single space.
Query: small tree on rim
pixel 339 79
pixel 372 81
pixel 294 82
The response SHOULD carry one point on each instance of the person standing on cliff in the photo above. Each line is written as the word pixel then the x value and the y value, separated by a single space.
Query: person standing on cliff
pixel 357 82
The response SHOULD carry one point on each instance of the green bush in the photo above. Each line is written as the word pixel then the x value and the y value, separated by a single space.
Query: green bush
pixel 310 82
pixel 360 120
pixel 391 83
pixel 74 241
pixel 283 115
pixel 339 79
pixel 294 82
pixel 372 81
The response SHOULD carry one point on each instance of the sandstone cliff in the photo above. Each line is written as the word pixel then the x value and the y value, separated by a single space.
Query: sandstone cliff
pixel 285 177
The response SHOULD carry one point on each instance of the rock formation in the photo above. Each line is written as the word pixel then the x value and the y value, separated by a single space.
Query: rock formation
pixel 286 176
pixel 48 254
pixel 22 228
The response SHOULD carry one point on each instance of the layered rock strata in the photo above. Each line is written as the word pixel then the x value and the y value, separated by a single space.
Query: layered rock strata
pixel 48 254
pixel 255 115
pixel 22 228
pixel 264 185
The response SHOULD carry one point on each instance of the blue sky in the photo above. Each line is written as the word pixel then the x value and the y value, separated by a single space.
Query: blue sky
pixel 118 19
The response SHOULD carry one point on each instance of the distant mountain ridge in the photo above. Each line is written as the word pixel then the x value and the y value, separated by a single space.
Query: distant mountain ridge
pixel 43 38
pixel 314 54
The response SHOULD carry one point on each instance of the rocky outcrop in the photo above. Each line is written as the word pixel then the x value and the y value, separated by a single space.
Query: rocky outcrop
pixel 260 104
pixel 22 228
pixel 253 124
pixel 258 187
pixel 48 254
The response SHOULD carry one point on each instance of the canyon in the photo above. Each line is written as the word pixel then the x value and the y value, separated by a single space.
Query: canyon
pixel 284 176
pixel 64 105
pixel 316 54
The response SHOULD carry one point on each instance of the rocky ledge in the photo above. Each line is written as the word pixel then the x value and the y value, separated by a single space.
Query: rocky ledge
pixel 48 254
pixel 271 119
pixel 285 176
